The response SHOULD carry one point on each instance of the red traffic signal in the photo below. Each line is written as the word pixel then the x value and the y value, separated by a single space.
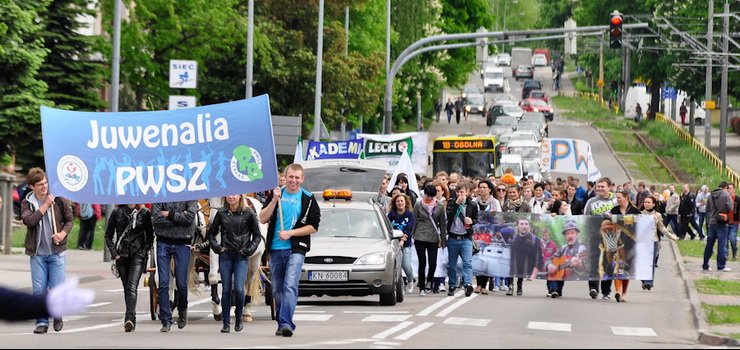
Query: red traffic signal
pixel 615 30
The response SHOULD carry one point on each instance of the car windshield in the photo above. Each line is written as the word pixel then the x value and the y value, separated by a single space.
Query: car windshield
pixel 517 171
pixel 345 222
pixel 495 75
pixel 343 177
pixel 523 137
pixel 525 152
pixel 475 100
pixel 537 94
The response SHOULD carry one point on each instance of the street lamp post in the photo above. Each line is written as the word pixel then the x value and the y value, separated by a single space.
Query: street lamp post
pixel 319 61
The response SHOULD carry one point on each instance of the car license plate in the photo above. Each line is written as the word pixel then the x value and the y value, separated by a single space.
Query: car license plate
pixel 327 276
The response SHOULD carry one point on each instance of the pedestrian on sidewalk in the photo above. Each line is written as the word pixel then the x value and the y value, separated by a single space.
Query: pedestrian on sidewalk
pixel 719 207
pixel 174 226
pixel 458 109
pixel 462 214
pixel 601 204
pixel 89 215
pixel 733 221
pixel 48 220
pixel 682 112
pixel 660 230
pixel 449 108
pixel 701 209
pixel 129 237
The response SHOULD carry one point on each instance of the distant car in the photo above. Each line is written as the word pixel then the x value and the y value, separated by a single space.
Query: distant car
pixel 504 59
pixel 532 168
pixel 499 130
pixel 535 118
pixel 539 60
pixel 534 105
pixel 475 103
pixel 526 149
pixel 355 252
pixel 470 89
pixel 498 110
pixel 510 161
pixel 539 95
pixel 524 71
pixel 522 135
pixel 503 99
pixel 530 85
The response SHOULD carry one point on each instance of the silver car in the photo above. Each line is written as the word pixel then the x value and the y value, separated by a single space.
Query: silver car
pixel 355 252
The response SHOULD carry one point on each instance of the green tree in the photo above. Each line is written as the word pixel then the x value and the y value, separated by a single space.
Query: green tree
pixel 21 90
pixel 71 70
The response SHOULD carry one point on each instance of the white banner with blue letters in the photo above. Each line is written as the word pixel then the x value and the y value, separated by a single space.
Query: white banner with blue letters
pixel 163 156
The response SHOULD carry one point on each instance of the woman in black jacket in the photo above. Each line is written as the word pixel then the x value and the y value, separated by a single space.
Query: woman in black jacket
pixel 129 237
pixel 240 236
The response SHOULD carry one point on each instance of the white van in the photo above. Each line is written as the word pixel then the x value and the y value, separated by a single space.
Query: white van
pixel 699 113
pixel 493 78
pixel 636 94
pixel 513 161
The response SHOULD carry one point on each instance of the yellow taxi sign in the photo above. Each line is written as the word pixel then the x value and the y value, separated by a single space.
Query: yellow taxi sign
pixel 709 104
pixel 337 194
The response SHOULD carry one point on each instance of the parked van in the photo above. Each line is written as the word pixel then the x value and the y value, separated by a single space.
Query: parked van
pixel 699 113
pixel 493 79
pixel 636 94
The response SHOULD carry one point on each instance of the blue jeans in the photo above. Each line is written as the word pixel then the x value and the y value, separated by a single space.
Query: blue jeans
pixel 406 263
pixel 464 249
pixel 233 269
pixel 181 254
pixel 716 233
pixel 285 268
pixel 732 237
pixel 47 272
pixel 700 218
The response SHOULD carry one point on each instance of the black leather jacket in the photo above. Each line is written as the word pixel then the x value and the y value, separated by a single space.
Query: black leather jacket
pixel 138 240
pixel 239 231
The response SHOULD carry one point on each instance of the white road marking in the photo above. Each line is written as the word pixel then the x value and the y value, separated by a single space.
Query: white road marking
pixel 454 306
pixel 375 312
pixel 310 317
pixel 435 306
pixel 413 331
pixel 478 322
pixel 394 329
pixel 92 328
pixel 310 311
pixel 550 326
pixel 198 302
pixel 634 331
pixel 120 290
pixel 100 304
pixel 387 343
pixel 386 318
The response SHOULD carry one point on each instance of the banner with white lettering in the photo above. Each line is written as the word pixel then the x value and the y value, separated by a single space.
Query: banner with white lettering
pixel 574 248
pixel 568 156
pixel 388 147
pixel 349 149
pixel 162 156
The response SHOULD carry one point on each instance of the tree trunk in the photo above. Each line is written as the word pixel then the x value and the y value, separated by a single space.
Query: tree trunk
pixel 654 100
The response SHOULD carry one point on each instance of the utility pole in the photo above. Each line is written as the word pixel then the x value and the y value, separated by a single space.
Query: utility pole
pixel 387 118
pixel 343 126
pixel 627 76
pixel 708 86
pixel 250 47
pixel 601 67
pixel 114 87
pixel 319 59
pixel 723 88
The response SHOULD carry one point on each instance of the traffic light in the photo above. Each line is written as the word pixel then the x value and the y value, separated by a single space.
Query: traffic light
pixel 615 30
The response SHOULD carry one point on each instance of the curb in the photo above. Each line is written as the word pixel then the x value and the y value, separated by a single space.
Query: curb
pixel 704 336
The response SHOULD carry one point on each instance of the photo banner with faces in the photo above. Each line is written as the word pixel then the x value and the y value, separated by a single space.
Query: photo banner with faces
pixel 162 156
pixel 571 248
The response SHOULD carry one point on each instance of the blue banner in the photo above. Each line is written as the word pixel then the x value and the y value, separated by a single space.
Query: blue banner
pixel 350 149
pixel 163 156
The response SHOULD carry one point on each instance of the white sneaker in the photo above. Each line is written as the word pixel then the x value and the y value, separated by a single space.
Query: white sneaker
pixel 422 293
pixel 442 288
pixel 503 288
pixel 410 288
pixel 727 269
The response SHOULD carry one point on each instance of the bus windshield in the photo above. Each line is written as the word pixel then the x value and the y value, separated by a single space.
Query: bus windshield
pixel 466 163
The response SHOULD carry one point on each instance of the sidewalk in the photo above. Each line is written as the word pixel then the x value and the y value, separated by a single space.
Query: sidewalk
pixel 690 267
pixel 88 265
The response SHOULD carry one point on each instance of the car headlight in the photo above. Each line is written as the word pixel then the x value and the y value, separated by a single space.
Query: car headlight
pixel 535 110
pixel 467 108
pixel 371 259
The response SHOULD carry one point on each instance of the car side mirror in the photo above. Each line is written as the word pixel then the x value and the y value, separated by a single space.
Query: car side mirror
pixel 397 234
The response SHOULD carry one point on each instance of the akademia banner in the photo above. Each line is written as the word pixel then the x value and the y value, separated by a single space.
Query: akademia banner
pixel 572 248
pixel 163 156
pixel 349 149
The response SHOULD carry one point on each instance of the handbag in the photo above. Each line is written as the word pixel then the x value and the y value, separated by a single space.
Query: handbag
pixel 114 269
pixel 476 247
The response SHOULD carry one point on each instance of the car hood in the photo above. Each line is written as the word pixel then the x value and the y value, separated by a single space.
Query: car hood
pixel 346 246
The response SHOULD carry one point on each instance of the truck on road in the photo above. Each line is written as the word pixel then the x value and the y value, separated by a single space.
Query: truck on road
pixel 520 55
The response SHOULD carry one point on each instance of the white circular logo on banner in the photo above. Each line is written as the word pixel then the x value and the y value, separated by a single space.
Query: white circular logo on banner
pixel 246 164
pixel 72 173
